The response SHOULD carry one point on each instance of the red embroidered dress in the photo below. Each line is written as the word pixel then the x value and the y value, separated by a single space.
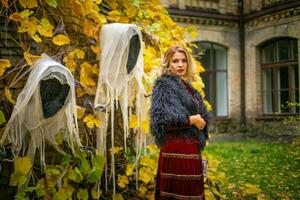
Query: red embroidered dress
pixel 179 174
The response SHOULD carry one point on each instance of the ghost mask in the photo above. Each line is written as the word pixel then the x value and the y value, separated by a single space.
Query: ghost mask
pixel 119 82
pixel 45 107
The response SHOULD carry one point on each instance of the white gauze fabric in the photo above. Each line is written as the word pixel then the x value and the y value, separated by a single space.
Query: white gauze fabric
pixel 27 116
pixel 114 84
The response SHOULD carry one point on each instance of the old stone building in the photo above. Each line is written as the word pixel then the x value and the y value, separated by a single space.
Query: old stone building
pixel 251 56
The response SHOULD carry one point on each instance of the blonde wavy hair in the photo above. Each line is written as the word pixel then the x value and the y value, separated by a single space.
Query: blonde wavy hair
pixel 167 59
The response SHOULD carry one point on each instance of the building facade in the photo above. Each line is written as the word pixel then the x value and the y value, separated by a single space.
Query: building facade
pixel 251 55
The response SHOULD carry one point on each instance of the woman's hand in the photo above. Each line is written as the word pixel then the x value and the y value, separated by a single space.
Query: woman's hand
pixel 198 121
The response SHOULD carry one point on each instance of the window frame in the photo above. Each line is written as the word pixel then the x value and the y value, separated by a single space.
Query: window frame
pixel 212 71
pixel 291 64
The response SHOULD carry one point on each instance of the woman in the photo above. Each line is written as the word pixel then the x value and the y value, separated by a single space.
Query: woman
pixel 179 124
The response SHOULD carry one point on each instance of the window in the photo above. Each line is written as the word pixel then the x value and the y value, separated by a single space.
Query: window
pixel 280 76
pixel 214 61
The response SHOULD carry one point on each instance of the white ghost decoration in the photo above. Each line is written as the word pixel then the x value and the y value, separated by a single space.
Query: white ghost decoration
pixel 42 119
pixel 120 80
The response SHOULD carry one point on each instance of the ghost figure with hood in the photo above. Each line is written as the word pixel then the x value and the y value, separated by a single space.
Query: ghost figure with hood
pixel 120 81
pixel 45 107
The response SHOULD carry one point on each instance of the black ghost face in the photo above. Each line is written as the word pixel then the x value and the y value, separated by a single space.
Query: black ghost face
pixel 134 50
pixel 53 96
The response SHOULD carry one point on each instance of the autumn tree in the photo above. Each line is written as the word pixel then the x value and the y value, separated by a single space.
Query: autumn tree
pixel 68 31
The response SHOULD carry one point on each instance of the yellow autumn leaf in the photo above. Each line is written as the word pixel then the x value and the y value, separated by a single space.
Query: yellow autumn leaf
pixel 129 169
pixel 79 53
pixel 15 17
pixel 197 86
pixel 36 38
pixel 251 189
pixel 192 30
pixel 28 3
pixel 199 67
pixel 209 195
pixel 26 13
pixel 76 7
pixel 148 162
pixel 90 28
pixel 112 3
pixel 145 126
pixel 133 121
pixel 80 91
pixel 89 7
pixel 146 174
pixel 96 69
pixel 98 1
pixel 96 50
pixel 5 3
pixel 30 58
pixel 70 63
pixel 86 73
pixel 122 181
pixel 114 15
pixel 115 150
pixel 8 95
pixel 28 25
pixel 45 28
pixel 208 105
pixel 262 197
pixel 4 63
pixel 118 197
pixel 91 121
pixel 213 165
pixel 92 24
pixel 153 149
pixel 142 189
pixel 22 165
pixel 60 40
pixel 80 112
pixel 130 9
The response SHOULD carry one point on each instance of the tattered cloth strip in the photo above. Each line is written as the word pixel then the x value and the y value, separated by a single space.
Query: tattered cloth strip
pixel 42 122
pixel 120 79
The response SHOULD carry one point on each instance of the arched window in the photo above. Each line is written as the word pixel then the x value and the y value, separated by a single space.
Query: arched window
pixel 214 61
pixel 280 76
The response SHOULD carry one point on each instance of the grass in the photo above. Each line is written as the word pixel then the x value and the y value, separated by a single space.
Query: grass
pixel 274 168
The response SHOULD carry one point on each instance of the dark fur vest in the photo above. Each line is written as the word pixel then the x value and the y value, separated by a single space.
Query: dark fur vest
pixel 172 105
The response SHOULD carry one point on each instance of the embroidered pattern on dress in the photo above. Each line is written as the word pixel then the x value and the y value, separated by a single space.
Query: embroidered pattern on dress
pixel 179 155
pixel 177 196
pixel 181 176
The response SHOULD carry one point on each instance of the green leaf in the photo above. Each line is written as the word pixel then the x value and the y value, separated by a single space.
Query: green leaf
pixel 117 197
pixel 69 190
pixel 14 179
pixel 21 196
pixel 74 176
pixel 95 194
pixel 22 165
pixel 40 187
pixel 52 3
pixel 30 189
pixel 82 194
pixel 2 118
pixel 94 175
pixel 98 162
pixel 59 137
pixel 54 171
pixel 85 167
pixel 66 159
pixel 62 194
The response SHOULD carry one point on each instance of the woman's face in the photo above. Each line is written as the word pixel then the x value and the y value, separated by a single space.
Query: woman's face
pixel 178 64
